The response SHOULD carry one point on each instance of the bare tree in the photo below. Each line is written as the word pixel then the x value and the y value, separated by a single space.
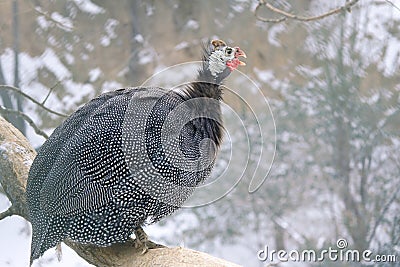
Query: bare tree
pixel 4 95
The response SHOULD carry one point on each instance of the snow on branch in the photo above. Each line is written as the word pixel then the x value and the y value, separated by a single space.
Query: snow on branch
pixel 60 21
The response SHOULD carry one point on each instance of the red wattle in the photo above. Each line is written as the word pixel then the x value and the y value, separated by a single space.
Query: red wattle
pixel 233 64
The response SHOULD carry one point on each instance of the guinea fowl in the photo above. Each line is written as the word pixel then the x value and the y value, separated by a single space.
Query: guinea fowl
pixel 128 158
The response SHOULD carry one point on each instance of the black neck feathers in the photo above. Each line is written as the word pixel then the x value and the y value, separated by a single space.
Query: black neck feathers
pixel 206 84
pixel 203 89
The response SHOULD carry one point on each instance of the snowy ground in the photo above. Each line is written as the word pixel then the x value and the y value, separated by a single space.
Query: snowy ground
pixel 15 245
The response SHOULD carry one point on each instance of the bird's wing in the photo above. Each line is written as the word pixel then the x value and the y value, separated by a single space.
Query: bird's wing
pixel 117 149
pixel 50 151
pixel 90 169
pixel 82 175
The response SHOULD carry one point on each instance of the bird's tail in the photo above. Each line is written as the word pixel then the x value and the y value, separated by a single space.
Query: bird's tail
pixel 38 236
pixel 48 232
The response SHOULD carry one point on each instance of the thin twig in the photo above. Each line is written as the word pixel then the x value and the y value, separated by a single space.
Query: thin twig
pixel 14 89
pixel 260 4
pixel 383 212
pixel 58 23
pixel 298 237
pixel 392 4
pixel 50 91
pixel 287 15
pixel 7 111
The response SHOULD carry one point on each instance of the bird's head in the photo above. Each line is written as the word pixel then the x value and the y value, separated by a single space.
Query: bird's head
pixel 221 59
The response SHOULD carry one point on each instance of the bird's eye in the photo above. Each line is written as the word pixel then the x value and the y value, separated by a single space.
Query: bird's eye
pixel 228 51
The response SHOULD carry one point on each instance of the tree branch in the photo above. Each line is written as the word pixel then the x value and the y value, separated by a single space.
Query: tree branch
pixel 260 4
pixel 383 212
pixel 16 156
pixel 6 111
pixel 14 89
pixel 49 17
pixel 286 15
pixel 50 91
pixel 392 4
pixel 9 212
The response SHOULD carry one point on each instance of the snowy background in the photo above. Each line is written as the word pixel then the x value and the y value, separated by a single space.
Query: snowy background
pixel 315 112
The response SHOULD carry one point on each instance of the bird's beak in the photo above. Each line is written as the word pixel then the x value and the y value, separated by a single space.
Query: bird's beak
pixel 240 53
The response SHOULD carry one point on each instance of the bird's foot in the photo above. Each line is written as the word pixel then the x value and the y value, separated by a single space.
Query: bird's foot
pixel 142 241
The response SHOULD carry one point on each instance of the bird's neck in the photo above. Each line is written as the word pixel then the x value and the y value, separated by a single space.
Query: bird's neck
pixel 204 89
pixel 206 85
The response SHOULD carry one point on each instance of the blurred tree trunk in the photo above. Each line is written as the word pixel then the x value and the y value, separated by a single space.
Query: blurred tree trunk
pixel 136 72
pixel 17 121
pixel 5 97
pixel 279 237
pixel 183 14
pixel 355 218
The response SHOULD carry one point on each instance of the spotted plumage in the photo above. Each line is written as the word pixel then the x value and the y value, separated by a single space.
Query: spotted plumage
pixel 127 158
